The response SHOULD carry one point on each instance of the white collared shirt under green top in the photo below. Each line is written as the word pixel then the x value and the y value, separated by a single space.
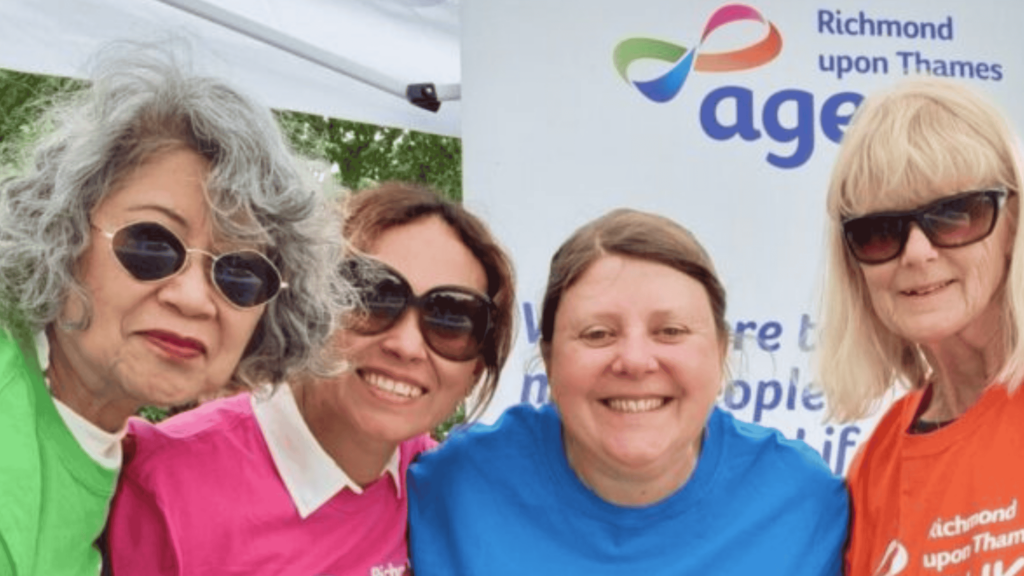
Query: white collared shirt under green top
pixel 102 446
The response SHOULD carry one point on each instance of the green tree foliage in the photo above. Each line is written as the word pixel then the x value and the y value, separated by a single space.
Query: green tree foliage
pixel 365 154
pixel 23 98
pixel 444 428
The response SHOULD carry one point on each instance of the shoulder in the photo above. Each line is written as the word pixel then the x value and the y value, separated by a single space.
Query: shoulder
pixel 24 401
pixel 881 445
pixel 481 451
pixel 518 426
pixel 892 420
pixel 14 365
pixel 413 447
pixel 484 466
pixel 198 437
pixel 9 350
pixel 769 480
pixel 418 444
pixel 767 453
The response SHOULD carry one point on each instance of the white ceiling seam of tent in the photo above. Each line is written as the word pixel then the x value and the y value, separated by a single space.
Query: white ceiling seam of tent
pixel 396 43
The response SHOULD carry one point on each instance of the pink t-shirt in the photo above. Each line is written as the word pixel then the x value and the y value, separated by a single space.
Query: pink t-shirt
pixel 201 494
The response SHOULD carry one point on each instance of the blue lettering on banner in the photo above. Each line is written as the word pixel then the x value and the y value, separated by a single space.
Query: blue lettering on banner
pixel 847 441
pixel 805 342
pixel 843 64
pixel 833 22
pixel 788 116
pixel 909 62
pixel 914 62
pixel 540 396
pixel 769 394
pixel 767 335
pixel 530 319
pixel 741 102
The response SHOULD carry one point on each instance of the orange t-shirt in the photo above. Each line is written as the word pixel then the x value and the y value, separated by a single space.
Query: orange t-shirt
pixel 947 502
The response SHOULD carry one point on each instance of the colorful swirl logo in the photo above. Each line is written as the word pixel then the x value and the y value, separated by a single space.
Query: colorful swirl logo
pixel 665 87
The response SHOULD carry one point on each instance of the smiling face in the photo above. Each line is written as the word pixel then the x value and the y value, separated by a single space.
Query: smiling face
pixel 929 294
pixel 163 342
pixel 635 363
pixel 398 387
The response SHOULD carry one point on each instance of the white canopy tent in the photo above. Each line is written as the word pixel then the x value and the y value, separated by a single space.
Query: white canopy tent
pixel 351 59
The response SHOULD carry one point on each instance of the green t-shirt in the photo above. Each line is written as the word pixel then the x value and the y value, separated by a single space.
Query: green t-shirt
pixel 53 497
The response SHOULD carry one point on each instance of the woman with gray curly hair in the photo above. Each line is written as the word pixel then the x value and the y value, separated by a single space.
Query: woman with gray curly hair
pixel 161 246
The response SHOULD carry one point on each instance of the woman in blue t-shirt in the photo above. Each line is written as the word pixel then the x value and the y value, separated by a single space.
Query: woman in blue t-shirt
pixel 632 470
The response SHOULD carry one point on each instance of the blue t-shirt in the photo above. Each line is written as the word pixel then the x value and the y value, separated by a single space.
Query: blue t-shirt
pixel 502 499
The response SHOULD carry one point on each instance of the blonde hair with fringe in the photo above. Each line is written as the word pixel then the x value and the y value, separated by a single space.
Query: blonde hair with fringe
pixel 922 139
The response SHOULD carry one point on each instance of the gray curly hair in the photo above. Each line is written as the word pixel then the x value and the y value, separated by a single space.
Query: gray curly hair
pixel 143 101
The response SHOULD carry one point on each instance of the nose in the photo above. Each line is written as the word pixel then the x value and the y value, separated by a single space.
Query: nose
pixel 918 249
pixel 404 340
pixel 190 291
pixel 635 356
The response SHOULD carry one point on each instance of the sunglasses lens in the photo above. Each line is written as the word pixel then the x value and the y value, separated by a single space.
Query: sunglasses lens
pixel 148 251
pixel 246 278
pixel 875 239
pixel 961 220
pixel 455 323
pixel 950 223
pixel 384 297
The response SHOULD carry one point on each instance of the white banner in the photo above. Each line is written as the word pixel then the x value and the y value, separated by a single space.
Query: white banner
pixel 721 116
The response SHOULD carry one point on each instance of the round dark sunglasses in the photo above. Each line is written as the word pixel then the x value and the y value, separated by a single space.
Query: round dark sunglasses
pixel 951 222
pixel 454 321
pixel 150 252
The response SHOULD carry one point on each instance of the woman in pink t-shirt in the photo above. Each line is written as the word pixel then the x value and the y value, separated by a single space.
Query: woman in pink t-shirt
pixel 309 478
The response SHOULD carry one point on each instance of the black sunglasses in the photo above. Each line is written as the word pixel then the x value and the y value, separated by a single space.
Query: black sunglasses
pixel 150 252
pixel 455 321
pixel 947 223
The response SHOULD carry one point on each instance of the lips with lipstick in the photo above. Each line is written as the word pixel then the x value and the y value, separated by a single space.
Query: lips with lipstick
pixel 176 345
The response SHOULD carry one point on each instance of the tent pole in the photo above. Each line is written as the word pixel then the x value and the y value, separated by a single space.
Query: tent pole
pixel 424 95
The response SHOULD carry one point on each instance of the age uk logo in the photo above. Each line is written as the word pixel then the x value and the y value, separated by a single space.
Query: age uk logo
pixel 665 87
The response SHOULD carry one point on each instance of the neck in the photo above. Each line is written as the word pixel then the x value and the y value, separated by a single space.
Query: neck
pixel 94 401
pixel 962 372
pixel 633 487
pixel 363 459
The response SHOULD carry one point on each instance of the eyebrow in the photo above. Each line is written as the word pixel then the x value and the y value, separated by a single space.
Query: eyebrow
pixel 163 210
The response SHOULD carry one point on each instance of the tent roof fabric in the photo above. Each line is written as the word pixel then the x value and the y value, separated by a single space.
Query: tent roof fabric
pixel 405 41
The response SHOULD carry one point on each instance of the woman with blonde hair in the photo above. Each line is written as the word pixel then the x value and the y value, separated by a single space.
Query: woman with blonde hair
pixel 926 291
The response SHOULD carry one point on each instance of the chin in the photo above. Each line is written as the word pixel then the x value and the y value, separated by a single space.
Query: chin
pixel 927 334
pixel 637 456
pixel 168 395
pixel 387 430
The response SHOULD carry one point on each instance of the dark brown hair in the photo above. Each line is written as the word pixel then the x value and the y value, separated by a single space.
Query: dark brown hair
pixel 369 213
pixel 634 234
